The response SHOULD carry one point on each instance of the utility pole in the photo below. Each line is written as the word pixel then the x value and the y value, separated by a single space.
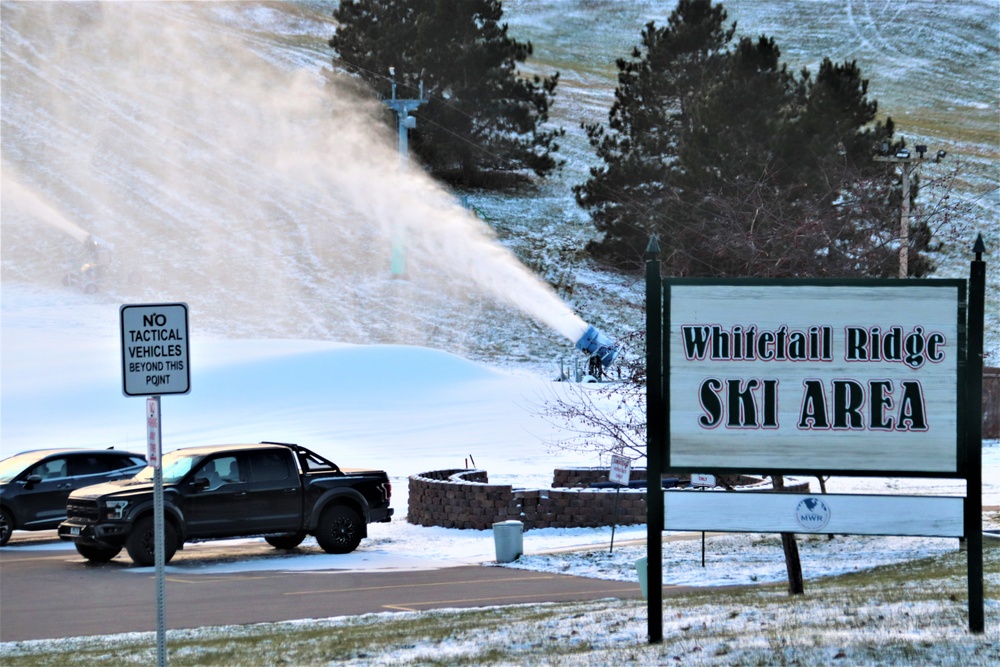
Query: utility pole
pixel 404 123
pixel 907 165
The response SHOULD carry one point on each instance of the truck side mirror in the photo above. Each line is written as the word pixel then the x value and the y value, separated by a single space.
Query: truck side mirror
pixel 200 483
pixel 32 480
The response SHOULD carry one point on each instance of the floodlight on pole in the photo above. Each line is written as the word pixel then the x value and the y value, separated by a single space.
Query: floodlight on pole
pixel 404 123
pixel 907 165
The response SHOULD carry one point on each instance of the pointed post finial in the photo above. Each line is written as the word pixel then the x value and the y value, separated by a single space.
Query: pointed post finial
pixel 979 247
pixel 653 249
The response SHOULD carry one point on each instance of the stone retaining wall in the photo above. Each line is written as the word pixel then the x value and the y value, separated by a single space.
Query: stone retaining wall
pixel 462 498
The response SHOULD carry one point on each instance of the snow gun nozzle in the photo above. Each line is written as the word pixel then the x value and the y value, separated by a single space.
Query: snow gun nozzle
pixel 94 243
pixel 596 344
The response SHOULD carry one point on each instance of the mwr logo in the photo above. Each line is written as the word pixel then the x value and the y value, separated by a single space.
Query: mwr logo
pixel 812 514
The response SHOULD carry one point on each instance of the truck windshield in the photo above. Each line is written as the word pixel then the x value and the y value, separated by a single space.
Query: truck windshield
pixel 175 465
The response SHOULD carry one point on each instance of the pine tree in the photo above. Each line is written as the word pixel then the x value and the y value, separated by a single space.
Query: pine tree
pixel 484 123
pixel 739 166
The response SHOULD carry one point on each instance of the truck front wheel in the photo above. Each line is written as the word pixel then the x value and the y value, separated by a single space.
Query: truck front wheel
pixel 96 553
pixel 340 530
pixel 142 540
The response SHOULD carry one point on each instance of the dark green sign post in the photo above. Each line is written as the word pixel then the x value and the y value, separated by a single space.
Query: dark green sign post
pixel 655 411
pixel 974 438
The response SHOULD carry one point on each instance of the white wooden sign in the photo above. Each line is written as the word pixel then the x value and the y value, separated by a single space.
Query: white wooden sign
pixel 814 377
pixel 761 512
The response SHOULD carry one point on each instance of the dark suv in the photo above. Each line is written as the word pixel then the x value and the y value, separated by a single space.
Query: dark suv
pixel 34 485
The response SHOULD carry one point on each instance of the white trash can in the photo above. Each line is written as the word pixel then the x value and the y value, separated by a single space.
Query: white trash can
pixel 508 540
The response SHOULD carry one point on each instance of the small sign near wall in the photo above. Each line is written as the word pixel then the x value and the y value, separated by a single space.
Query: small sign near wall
pixel 621 470
pixel 702 479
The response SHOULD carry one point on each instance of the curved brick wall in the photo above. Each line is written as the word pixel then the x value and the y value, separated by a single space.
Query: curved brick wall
pixel 461 498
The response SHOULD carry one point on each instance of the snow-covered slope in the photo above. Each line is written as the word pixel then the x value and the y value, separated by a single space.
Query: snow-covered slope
pixel 227 175
pixel 203 143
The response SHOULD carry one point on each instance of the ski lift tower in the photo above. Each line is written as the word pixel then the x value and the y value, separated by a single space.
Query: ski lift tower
pixel 404 123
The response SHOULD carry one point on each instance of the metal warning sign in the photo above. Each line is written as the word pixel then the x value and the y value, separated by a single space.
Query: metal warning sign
pixel 155 358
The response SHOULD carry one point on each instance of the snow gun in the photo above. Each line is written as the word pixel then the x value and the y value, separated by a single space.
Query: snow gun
pixel 598 346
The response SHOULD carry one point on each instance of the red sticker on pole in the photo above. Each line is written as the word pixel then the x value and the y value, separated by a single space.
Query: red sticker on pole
pixel 153 441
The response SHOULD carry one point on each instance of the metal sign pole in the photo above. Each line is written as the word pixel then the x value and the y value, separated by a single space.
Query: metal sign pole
pixel 614 522
pixel 155 361
pixel 155 443
pixel 703 543
pixel 620 473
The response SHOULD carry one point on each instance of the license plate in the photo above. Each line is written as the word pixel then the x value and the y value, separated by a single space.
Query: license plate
pixel 74 530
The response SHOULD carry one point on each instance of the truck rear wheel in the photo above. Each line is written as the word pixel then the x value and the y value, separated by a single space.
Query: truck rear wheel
pixel 285 541
pixel 97 553
pixel 340 530
pixel 141 542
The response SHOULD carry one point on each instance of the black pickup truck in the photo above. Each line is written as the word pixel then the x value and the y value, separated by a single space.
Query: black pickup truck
pixel 280 491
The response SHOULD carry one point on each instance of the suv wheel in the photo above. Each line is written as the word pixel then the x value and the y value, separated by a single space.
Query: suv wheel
pixel 340 530
pixel 141 542
pixel 6 526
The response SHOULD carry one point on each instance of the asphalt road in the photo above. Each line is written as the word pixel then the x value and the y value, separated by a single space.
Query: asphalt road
pixel 54 593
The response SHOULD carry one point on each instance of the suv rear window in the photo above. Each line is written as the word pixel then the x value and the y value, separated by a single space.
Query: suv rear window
pixel 92 464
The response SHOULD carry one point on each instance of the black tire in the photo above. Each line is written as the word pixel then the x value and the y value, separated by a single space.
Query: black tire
pixel 97 553
pixel 6 526
pixel 340 530
pixel 141 542
pixel 285 541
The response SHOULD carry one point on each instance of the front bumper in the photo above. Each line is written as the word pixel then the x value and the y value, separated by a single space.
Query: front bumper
pixel 92 533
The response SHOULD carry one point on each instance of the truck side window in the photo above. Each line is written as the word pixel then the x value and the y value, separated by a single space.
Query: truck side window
pixel 229 469
pixel 270 466
pixel 210 472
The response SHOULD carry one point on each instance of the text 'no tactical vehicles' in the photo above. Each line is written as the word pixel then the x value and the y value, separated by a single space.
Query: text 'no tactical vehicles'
pixel 280 491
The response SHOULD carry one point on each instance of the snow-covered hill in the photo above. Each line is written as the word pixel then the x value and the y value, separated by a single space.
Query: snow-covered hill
pixel 225 174
pixel 202 142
